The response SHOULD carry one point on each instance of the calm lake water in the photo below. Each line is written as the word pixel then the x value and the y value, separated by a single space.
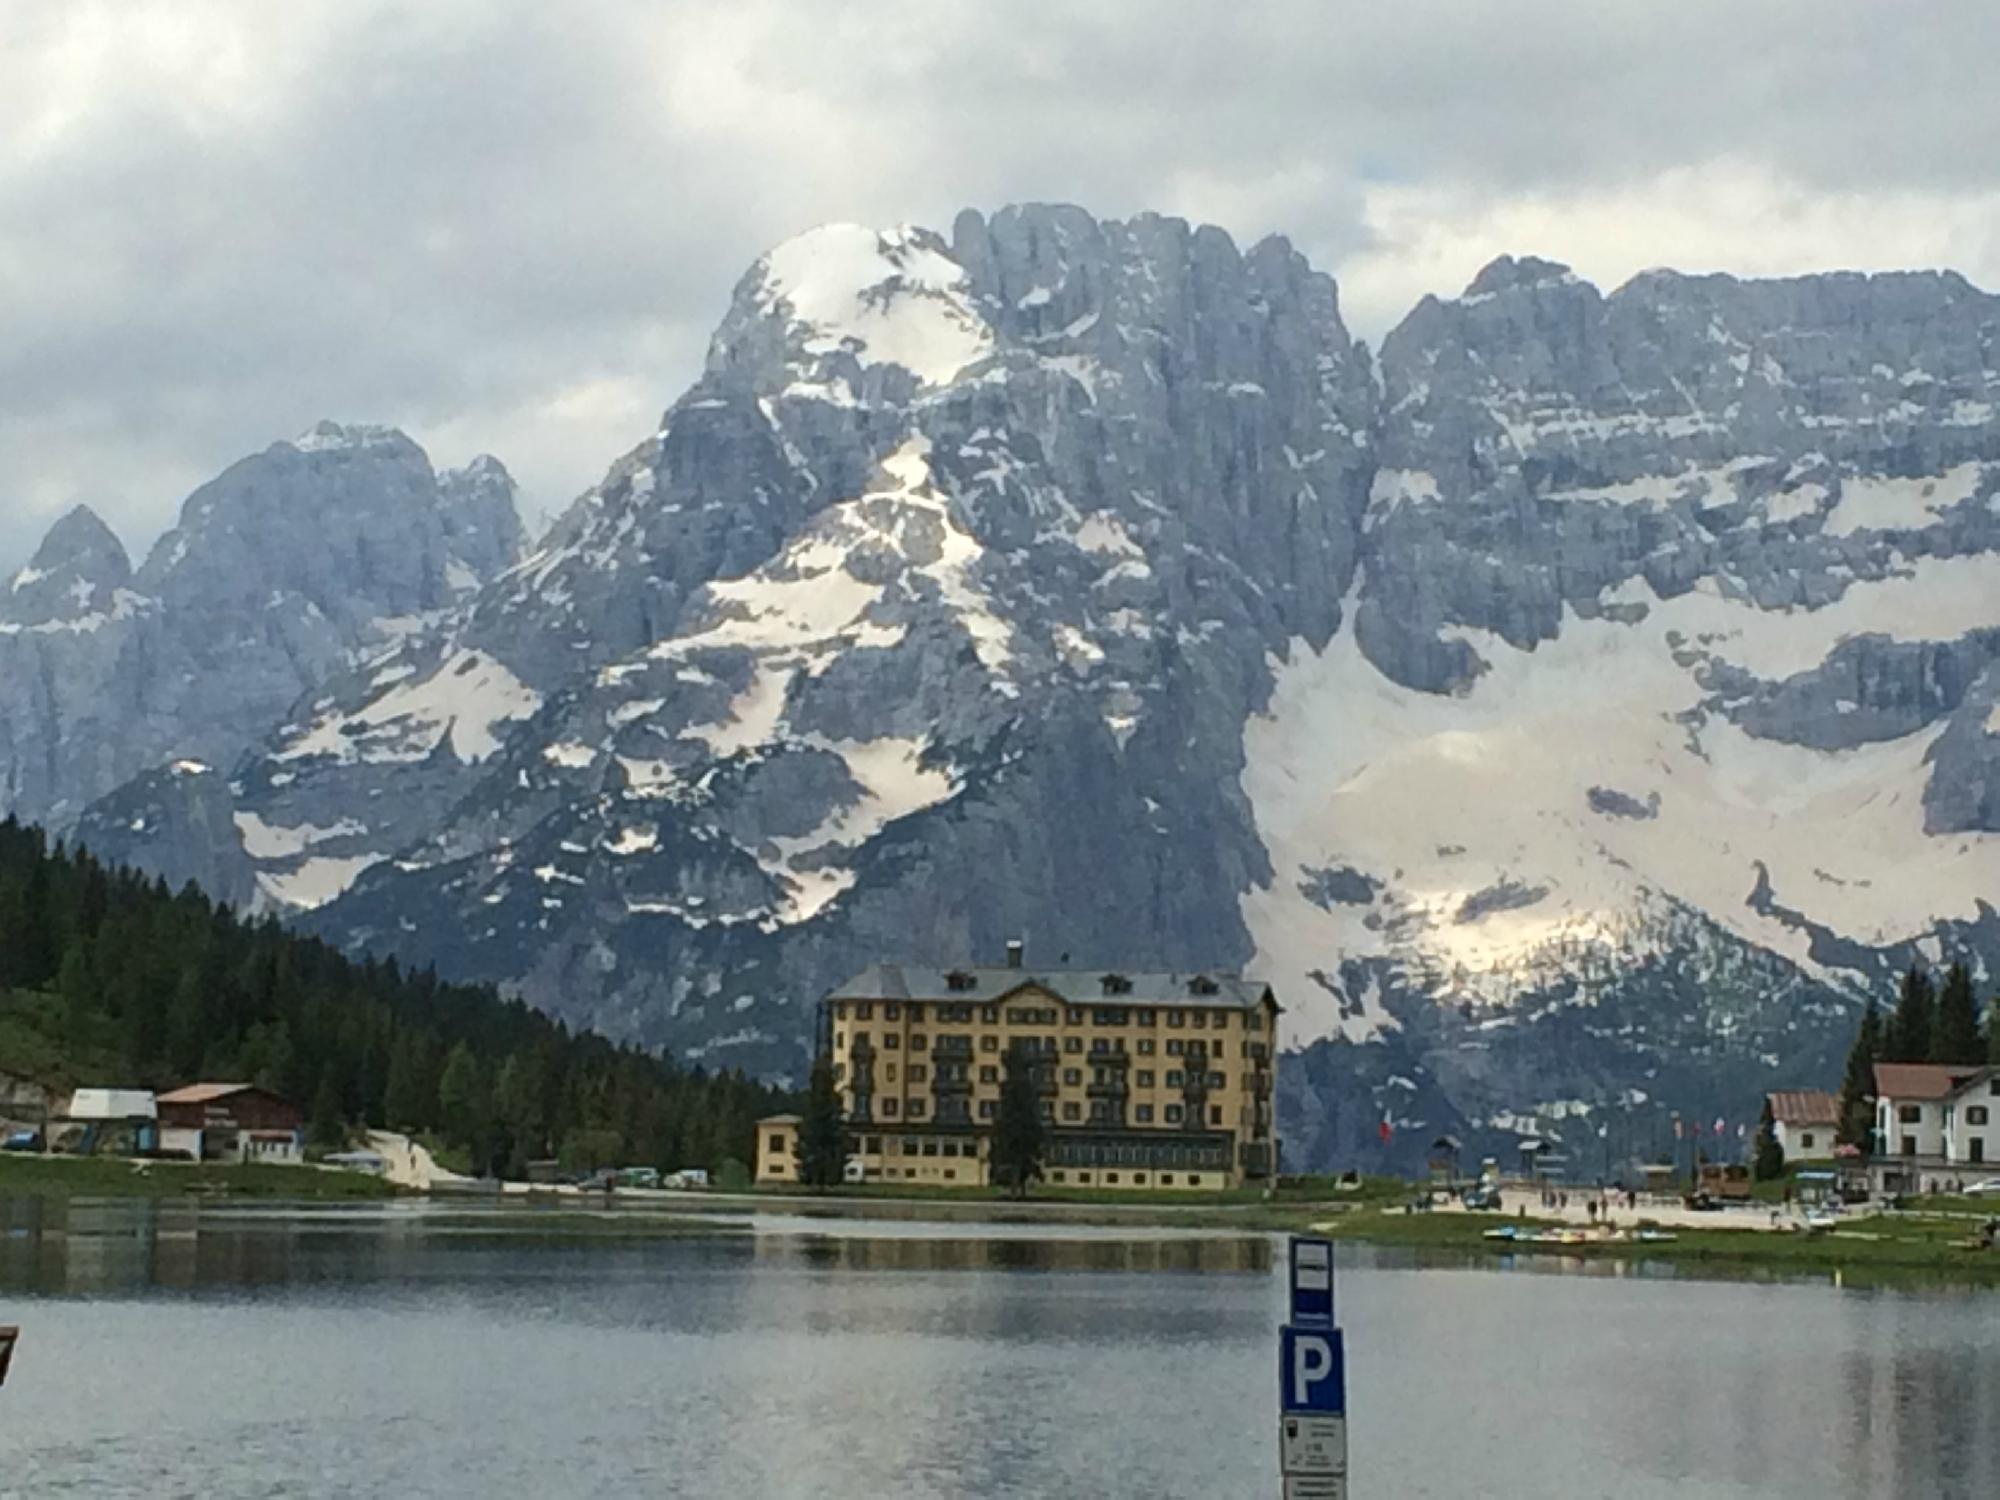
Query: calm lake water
pixel 410 1351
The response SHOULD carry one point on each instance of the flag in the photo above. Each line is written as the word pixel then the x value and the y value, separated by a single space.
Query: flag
pixel 1720 1128
pixel 1386 1130
pixel 1677 1127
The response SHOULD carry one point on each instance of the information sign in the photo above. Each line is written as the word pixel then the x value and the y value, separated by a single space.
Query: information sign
pixel 1312 1283
pixel 1312 1445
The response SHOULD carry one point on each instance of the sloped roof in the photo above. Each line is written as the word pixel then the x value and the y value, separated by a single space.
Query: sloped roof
pixel 112 1104
pixel 1805 1107
pixel 203 1093
pixel 1072 986
pixel 1923 1080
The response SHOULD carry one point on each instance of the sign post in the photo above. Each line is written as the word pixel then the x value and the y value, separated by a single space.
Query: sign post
pixel 1312 1380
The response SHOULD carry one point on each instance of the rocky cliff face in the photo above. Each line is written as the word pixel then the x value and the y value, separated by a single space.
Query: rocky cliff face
pixel 1573 715
pixel 280 571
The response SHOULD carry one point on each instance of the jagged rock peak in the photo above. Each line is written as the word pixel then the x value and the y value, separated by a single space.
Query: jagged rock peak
pixel 82 542
pixel 1527 272
pixel 327 436
pixel 75 575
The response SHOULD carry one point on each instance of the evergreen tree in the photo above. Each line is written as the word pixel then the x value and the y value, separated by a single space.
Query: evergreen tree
pixel 1769 1162
pixel 1955 1036
pixel 462 1096
pixel 1907 1037
pixel 326 1127
pixel 1857 1084
pixel 1017 1133
pixel 183 987
pixel 822 1148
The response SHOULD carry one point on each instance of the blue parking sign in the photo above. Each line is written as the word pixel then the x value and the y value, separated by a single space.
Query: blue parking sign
pixel 1312 1370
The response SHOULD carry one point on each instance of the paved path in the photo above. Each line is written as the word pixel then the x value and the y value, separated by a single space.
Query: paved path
pixel 408 1163
pixel 1527 1202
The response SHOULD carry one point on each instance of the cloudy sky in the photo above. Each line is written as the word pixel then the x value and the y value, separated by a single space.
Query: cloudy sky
pixel 510 227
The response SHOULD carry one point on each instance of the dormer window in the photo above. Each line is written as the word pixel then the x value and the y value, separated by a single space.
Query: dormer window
pixel 1117 984
pixel 1201 984
pixel 959 980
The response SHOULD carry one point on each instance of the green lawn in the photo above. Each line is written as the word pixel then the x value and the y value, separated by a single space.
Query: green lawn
pixel 105 1177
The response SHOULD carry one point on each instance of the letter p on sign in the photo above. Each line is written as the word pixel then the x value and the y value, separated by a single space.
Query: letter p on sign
pixel 1313 1371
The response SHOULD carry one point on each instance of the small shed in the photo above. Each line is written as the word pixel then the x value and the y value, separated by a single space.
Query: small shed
pixel 777 1148
pixel 1444 1161
pixel 113 1118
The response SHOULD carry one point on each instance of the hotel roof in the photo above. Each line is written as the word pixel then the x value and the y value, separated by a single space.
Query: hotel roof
pixel 1206 990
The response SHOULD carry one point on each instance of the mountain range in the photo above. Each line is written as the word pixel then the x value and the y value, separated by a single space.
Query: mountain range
pixel 1575 708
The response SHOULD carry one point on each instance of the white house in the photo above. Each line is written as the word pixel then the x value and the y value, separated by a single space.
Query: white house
pixel 1805 1121
pixel 1935 1126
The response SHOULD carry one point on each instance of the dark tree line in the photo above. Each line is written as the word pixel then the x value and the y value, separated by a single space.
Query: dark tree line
pixel 177 987
pixel 1930 1023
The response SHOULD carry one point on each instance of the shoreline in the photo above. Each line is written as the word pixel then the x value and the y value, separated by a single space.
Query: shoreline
pixel 1928 1244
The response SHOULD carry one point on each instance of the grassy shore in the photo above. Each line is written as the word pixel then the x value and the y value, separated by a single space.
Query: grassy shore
pixel 101 1177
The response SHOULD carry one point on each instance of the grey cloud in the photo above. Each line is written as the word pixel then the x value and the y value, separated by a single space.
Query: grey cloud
pixel 510 226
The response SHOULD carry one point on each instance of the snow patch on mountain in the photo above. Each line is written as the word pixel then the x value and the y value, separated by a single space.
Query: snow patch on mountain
pixel 888 297
pixel 468 699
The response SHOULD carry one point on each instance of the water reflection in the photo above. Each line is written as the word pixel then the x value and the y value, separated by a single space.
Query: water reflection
pixel 417 1349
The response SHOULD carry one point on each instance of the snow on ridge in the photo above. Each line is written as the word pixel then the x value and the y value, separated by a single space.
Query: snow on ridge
pixel 1884 503
pixel 1495 870
pixel 316 881
pixel 466 700
pixel 262 840
pixel 892 297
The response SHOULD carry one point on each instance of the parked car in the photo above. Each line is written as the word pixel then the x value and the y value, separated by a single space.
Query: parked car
pixel 23 1140
pixel 1990 1188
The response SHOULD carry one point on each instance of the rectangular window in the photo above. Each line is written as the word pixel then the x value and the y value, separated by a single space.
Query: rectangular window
pixel 1806 1141
pixel 917 1109
pixel 930 1148
pixel 951 1174
pixel 1975 1114
pixel 990 1014
pixel 1199 1020
pixel 1253 1021
pixel 1176 1018
pixel 1217 1048
pixel 1176 1047
pixel 1075 1016
pixel 917 1042
pixel 1072 1111
pixel 1175 1078
pixel 1145 1046
pixel 1061 1176
pixel 985 1109
pixel 1111 1179
pixel 1173 1114
pixel 1218 1080
pixel 1072 1076
pixel 873 1145
pixel 889 1108
pixel 1145 1078
pixel 1909 1145
pixel 1978 1148
pixel 1072 1044
pixel 916 1012
pixel 892 1041
pixel 1909 1114
pixel 1146 1018
pixel 989 1044
pixel 918 1072
pixel 777 1145
pixel 891 1011
pixel 1143 1113
pixel 865 1011
pixel 889 1071
pixel 989 1074
pixel 1166 1179
pixel 1215 1114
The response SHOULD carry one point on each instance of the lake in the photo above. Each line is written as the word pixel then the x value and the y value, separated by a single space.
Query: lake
pixel 416 1350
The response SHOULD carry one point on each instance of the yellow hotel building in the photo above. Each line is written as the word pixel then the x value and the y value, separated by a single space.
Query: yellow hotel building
pixel 1147 1080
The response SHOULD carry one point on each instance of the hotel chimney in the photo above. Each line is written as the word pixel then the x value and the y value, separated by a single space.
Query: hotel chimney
pixel 1014 953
